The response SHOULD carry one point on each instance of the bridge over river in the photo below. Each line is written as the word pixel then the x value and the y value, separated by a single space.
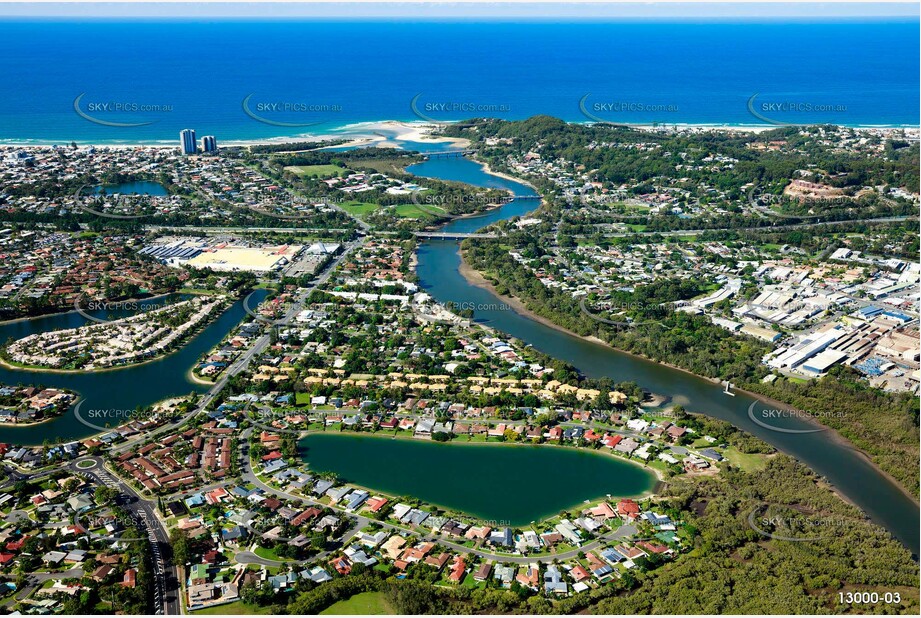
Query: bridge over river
pixel 453 235
pixel 447 153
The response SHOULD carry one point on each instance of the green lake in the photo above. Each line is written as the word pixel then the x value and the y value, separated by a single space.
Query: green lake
pixel 500 483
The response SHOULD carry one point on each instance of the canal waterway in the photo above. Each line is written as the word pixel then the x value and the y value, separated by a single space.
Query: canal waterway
pixel 112 393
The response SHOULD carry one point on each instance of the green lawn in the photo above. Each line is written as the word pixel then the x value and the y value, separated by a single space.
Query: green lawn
pixel 268 554
pixel 470 582
pixel 746 461
pixel 325 171
pixel 411 211
pixel 432 207
pixel 365 603
pixel 358 209
pixel 392 166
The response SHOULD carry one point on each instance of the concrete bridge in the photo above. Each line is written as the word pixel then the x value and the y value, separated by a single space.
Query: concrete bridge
pixel 447 154
pixel 453 235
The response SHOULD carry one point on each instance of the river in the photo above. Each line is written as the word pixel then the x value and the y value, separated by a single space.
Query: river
pixel 839 462
pixel 438 269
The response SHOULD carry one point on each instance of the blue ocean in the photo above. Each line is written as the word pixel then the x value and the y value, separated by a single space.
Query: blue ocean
pixel 110 81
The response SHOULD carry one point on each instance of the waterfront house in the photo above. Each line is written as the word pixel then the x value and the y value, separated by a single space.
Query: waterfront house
pixel 501 538
pixel 425 427
pixel 569 532
pixel 709 453
pixel 602 511
pixel 628 509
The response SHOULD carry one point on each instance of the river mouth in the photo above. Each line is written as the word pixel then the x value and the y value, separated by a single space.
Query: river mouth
pixel 493 484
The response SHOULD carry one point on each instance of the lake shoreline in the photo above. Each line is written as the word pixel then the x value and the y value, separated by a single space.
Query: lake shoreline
pixel 657 482
pixel 34 423
pixel 456 441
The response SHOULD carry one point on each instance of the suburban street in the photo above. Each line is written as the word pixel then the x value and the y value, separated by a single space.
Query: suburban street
pixel 167 588
pixel 34 581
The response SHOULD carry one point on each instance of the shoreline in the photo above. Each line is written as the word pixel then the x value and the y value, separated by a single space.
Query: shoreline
pixel 658 484
pixel 34 423
pixel 33 369
pixel 489 170
pixel 475 278
pixel 134 299
pixel 198 380
pixel 354 130
pixel 181 343
pixel 479 213
pixel 455 441
pixel 361 133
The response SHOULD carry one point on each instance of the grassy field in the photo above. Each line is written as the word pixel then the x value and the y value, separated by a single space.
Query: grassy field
pixel 393 166
pixel 746 461
pixel 365 603
pixel 324 171
pixel 358 209
pixel 411 211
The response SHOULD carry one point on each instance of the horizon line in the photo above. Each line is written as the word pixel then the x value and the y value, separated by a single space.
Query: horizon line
pixel 461 9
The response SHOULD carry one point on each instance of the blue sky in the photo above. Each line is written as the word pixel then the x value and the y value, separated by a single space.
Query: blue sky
pixel 421 9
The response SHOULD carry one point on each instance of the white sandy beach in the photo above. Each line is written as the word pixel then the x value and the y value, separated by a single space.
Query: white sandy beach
pixel 387 134
pixel 384 133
